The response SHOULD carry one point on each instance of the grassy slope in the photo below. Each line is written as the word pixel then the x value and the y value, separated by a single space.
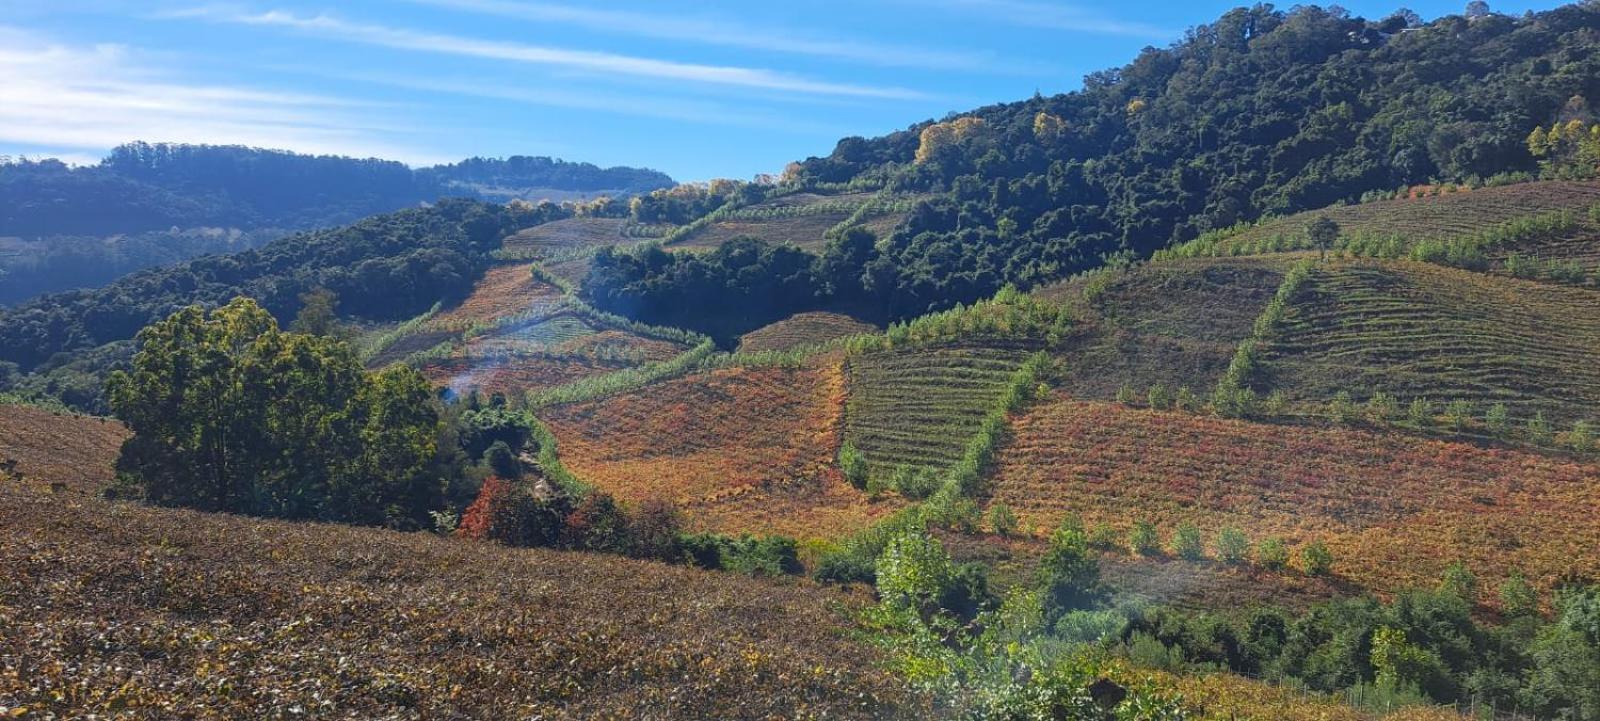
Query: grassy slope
pixel 1175 323
pixel 1395 510
pixel 154 613
pixel 1418 330
pixel 1442 216
pixel 742 450
pixel 802 329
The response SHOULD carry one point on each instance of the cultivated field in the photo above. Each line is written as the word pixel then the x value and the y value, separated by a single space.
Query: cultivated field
pixel 801 219
pixel 1443 216
pixel 919 408
pixel 803 329
pixel 569 234
pixel 124 611
pixel 1395 510
pixel 741 449
pixel 1422 331
pixel 50 451
pixel 1174 323
pixel 504 291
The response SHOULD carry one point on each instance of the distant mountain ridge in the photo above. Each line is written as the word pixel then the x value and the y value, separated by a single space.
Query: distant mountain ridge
pixel 155 204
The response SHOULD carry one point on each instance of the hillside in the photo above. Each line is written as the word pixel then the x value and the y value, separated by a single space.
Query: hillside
pixel 167 612
pixel 1421 331
pixel 150 205
pixel 53 451
pixel 1395 510
pixel 743 450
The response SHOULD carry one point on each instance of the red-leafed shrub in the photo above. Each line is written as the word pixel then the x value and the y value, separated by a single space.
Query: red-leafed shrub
pixel 479 520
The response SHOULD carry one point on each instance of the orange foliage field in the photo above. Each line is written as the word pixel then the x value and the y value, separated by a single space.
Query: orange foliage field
pixel 48 449
pixel 1395 510
pixel 504 290
pixel 741 449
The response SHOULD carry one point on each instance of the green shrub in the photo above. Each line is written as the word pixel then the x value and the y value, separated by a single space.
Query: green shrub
pixel 1186 400
pixel 1582 437
pixel 1105 537
pixel 1002 521
pixel 1316 559
pixel 1382 408
pixel 1341 409
pixel 1275 405
pixel 1497 419
pixel 853 464
pixel 1232 546
pixel 1126 395
pixel 1517 597
pixel 1420 413
pixel 1186 542
pixel 1159 397
pixel 1457 414
pixel 1272 553
pixel 1460 582
pixel 1539 429
pixel 1144 540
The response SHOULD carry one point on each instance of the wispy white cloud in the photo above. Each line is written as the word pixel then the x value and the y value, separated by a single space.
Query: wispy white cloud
pixel 725 33
pixel 92 98
pixel 1028 13
pixel 581 60
pixel 665 108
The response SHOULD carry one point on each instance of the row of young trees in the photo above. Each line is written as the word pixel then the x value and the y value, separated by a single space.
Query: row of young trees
pixel 947 629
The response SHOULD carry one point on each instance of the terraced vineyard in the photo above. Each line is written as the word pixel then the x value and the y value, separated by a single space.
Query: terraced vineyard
pixel 1174 323
pixel 49 450
pixel 1570 259
pixel 1442 216
pixel 1395 510
pixel 564 235
pixel 801 219
pixel 742 449
pixel 544 352
pixel 803 329
pixel 918 408
pixel 1423 331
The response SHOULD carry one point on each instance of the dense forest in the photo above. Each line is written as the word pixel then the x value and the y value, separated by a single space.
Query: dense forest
pixel 1261 112
pixel 153 204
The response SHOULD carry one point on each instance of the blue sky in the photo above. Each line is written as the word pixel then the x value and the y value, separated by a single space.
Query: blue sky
pixel 697 89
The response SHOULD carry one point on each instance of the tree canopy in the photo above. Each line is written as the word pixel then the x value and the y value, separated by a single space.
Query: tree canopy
pixel 229 413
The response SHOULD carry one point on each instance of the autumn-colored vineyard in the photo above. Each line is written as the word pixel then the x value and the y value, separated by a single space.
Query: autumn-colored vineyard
pixel 125 611
pixel 1395 510
pixel 1448 215
pixel 1422 331
pixel 802 329
pixel 563 235
pixel 55 451
pixel 742 449
pixel 919 407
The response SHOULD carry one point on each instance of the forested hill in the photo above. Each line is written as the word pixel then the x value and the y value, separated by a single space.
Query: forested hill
pixel 148 205
pixel 1260 112
pixel 387 267
pixel 143 187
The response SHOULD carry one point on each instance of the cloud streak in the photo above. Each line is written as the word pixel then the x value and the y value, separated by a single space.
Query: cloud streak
pixel 92 98
pixel 582 60
pixel 1026 13
pixel 722 33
